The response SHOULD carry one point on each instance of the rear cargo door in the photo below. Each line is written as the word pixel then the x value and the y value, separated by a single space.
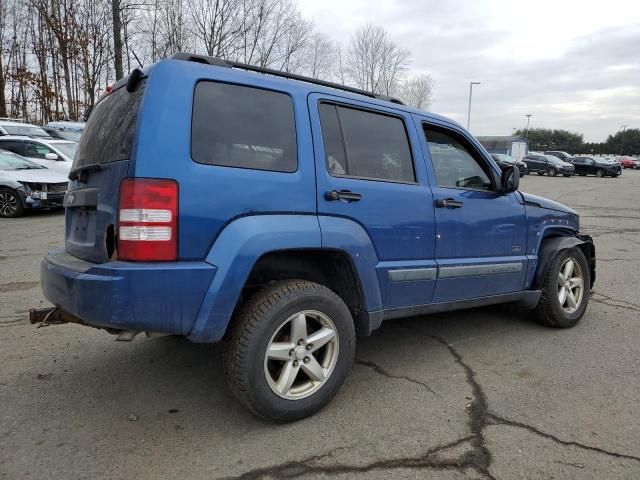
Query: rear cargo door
pixel 102 161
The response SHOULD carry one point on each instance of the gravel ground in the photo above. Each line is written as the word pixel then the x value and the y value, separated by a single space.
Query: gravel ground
pixel 465 395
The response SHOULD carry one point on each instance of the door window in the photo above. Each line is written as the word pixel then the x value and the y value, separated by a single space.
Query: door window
pixel 36 150
pixel 12 146
pixel 454 164
pixel 366 145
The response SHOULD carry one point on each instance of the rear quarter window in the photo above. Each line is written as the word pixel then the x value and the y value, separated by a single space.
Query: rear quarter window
pixel 243 127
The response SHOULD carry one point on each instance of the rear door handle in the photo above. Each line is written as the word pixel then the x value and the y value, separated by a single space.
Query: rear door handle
pixel 346 195
pixel 448 203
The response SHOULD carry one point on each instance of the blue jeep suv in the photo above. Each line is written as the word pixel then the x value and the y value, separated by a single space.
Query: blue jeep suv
pixel 285 216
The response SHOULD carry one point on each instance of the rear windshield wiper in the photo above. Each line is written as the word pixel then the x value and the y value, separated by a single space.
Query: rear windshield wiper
pixel 79 171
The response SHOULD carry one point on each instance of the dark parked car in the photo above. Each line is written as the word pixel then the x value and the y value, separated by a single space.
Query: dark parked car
pixel 504 161
pixel 560 154
pixel 548 164
pixel 596 166
pixel 334 209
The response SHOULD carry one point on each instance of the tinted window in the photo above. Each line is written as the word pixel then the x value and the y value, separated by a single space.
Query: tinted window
pixel 108 135
pixel 245 127
pixel 366 145
pixel 12 146
pixel 453 163
pixel 335 155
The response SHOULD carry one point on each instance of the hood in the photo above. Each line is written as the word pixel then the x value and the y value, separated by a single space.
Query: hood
pixel 542 202
pixel 37 175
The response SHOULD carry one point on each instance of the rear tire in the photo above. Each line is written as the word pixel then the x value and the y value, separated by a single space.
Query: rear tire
pixel 600 173
pixel 552 172
pixel 552 310
pixel 280 386
pixel 10 203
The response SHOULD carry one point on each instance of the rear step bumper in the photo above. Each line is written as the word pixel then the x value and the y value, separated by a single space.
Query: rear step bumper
pixel 162 297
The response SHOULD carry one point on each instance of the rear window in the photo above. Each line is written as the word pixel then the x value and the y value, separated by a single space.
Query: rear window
pixel 243 127
pixel 108 134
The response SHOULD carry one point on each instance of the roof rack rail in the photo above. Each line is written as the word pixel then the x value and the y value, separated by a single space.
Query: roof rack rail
pixel 220 62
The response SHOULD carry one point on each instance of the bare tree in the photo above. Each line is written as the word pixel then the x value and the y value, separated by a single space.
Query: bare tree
pixel 417 91
pixel 376 62
pixel 216 24
pixel 320 56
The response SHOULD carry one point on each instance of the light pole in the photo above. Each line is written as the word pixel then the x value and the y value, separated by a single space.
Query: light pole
pixel 528 115
pixel 623 128
pixel 471 84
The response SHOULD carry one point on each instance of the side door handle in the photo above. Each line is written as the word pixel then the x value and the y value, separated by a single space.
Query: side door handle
pixel 346 195
pixel 448 203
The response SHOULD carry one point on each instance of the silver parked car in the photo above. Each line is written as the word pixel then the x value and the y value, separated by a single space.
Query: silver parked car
pixel 26 185
pixel 49 152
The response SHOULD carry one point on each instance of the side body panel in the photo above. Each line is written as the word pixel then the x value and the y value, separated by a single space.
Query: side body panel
pixel 212 196
pixel 396 218
pixel 480 247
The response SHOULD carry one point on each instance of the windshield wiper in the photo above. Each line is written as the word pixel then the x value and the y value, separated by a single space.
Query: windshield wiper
pixel 29 168
pixel 79 171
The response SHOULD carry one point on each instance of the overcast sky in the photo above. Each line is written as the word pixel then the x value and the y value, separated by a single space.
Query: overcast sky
pixel 572 64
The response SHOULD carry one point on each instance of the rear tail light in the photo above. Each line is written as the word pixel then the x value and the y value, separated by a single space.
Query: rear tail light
pixel 148 220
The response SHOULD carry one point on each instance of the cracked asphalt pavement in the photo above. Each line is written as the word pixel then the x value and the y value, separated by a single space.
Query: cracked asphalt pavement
pixel 477 394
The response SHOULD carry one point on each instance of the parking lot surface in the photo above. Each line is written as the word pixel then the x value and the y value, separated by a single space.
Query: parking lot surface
pixel 473 394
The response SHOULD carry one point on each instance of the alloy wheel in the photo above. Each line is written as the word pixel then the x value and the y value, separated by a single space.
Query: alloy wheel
pixel 8 204
pixel 301 355
pixel 570 285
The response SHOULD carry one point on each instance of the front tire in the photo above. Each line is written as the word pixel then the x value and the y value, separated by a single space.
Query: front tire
pixel 565 290
pixel 10 203
pixel 290 349
pixel 552 172
pixel 600 173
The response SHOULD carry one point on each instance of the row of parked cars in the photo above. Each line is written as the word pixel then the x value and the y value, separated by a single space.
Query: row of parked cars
pixel 34 164
pixel 553 163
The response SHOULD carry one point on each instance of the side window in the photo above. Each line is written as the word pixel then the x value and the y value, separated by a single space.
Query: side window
pixel 453 163
pixel 12 146
pixel 243 127
pixel 366 145
pixel 36 150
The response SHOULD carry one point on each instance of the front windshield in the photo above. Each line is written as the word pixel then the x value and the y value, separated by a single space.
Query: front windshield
pixel 25 130
pixel 67 148
pixel 10 161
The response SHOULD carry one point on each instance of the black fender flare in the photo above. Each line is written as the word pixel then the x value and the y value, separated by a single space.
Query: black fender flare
pixel 551 246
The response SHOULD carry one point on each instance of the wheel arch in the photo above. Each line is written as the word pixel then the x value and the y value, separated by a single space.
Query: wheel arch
pixel 246 246
pixel 556 242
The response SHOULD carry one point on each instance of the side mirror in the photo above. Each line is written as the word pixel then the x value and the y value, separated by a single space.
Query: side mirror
pixel 509 179
pixel 51 156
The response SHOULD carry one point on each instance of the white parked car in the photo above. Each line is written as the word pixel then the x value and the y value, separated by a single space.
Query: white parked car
pixel 56 155
pixel 8 127
pixel 26 185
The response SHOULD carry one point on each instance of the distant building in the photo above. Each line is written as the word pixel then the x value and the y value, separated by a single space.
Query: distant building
pixel 514 145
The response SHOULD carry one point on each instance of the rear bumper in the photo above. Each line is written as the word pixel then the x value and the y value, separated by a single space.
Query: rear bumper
pixel 154 297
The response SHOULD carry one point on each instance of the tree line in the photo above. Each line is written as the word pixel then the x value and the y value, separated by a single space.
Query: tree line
pixel 58 56
pixel 623 142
